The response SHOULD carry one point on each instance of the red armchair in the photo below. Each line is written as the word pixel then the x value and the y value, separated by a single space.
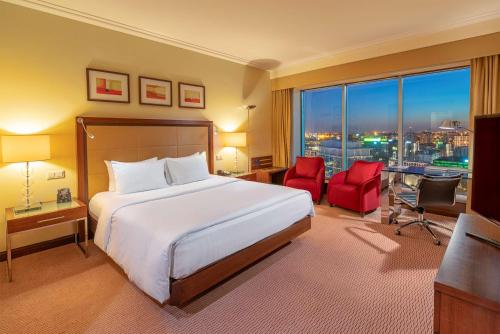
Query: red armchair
pixel 307 174
pixel 358 188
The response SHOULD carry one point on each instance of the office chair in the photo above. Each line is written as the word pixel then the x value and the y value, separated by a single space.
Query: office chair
pixel 431 191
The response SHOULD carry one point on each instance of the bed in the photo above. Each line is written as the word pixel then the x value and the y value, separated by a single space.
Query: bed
pixel 171 253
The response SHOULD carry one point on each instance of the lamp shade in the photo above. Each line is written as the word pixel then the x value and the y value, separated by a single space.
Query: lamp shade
pixel 235 139
pixel 25 148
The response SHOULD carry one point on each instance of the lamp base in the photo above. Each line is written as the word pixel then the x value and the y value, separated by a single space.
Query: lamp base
pixel 23 209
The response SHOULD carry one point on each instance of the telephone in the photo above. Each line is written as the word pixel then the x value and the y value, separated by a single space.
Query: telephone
pixel 223 172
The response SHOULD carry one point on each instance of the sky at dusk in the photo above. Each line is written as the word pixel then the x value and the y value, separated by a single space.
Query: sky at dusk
pixel 427 100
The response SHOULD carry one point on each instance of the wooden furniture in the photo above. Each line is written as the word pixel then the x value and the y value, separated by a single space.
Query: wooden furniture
pixel 274 175
pixel 467 286
pixel 129 139
pixel 138 139
pixel 266 172
pixel 261 162
pixel 50 214
pixel 249 176
pixel 183 290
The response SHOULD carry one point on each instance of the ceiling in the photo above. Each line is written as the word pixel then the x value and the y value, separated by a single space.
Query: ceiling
pixel 287 36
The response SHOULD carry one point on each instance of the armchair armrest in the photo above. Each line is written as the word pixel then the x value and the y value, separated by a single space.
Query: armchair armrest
pixel 320 180
pixel 371 182
pixel 368 185
pixel 338 178
pixel 320 177
pixel 290 174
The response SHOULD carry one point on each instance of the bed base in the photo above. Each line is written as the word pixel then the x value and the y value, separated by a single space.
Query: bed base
pixel 185 289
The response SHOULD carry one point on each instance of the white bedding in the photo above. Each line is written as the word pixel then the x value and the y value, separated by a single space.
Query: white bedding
pixel 175 231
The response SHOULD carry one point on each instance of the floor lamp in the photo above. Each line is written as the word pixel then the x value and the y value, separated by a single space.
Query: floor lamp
pixel 248 108
pixel 235 139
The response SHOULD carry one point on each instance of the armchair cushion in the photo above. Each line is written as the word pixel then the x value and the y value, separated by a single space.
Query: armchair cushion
pixel 345 195
pixel 361 171
pixel 303 183
pixel 307 167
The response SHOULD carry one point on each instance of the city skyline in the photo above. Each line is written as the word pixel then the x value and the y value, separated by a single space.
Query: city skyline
pixel 428 99
pixel 372 122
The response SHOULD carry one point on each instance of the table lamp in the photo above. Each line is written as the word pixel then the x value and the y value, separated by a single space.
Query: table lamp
pixel 26 149
pixel 235 139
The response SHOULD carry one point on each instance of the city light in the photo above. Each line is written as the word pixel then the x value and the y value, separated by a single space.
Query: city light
pixel 427 100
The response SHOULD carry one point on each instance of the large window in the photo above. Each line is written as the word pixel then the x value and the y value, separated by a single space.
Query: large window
pixel 396 121
pixel 428 99
pixel 322 126
pixel 372 121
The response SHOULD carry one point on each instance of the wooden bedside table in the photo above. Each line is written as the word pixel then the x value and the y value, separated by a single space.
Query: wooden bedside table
pixel 51 213
pixel 249 176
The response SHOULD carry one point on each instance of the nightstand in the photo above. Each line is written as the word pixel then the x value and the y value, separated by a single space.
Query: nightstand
pixel 51 213
pixel 249 176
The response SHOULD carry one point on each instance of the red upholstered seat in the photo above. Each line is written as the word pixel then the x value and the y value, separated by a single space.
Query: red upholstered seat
pixel 358 188
pixel 308 174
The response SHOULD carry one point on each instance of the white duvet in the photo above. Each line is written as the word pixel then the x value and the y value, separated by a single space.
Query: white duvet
pixel 140 231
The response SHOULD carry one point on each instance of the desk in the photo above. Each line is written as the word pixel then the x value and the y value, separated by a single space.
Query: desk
pixel 391 208
pixel 467 285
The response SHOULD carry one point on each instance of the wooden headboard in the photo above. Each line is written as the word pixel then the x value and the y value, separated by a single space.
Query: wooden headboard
pixel 126 139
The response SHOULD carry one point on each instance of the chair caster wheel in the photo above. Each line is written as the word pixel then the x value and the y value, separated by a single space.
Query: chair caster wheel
pixel 397 232
pixel 437 242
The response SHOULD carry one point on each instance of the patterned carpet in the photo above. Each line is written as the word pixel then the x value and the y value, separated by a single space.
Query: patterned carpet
pixel 346 275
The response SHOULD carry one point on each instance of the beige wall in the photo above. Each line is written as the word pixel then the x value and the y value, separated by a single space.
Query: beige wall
pixel 43 88
pixel 438 55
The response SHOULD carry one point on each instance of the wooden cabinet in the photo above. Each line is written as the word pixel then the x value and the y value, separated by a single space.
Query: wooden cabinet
pixel 467 286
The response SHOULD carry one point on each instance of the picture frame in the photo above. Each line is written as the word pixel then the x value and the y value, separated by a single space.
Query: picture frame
pixel 155 92
pixel 64 195
pixel 107 86
pixel 191 96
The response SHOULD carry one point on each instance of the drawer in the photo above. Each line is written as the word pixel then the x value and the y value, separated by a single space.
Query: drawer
pixel 52 218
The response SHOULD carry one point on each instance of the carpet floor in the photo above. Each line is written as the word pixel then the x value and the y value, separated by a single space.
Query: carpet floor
pixel 345 275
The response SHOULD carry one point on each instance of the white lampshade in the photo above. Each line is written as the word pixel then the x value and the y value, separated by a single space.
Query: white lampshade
pixel 25 148
pixel 235 139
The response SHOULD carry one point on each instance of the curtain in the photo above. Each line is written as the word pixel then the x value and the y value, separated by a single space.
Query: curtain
pixel 281 126
pixel 485 86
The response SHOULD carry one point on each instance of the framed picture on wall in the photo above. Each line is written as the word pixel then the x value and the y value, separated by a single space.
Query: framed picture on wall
pixel 107 86
pixel 156 92
pixel 191 96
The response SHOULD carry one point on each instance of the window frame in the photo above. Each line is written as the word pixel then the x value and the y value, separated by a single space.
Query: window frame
pixel 400 113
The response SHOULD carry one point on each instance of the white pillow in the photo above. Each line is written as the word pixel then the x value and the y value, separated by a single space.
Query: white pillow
pixel 132 178
pixel 111 175
pixel 188 169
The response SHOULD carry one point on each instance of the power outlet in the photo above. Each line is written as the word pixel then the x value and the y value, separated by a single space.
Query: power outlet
pixel 56 174
pixel 219 157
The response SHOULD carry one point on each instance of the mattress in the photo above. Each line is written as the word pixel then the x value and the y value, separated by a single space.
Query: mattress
pixel 175 231
pixel 200 249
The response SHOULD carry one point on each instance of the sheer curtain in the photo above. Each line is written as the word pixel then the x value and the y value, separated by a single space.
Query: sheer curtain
pixel 281 126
